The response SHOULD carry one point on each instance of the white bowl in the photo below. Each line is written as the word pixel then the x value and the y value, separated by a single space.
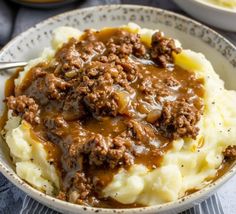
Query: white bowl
pixel 192 35
pixel 209 13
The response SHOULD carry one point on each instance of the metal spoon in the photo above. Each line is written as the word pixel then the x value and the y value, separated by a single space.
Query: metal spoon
pixel 8 65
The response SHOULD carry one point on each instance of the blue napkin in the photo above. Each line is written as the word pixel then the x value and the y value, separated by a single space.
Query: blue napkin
pixel 210 206
pixel 6 22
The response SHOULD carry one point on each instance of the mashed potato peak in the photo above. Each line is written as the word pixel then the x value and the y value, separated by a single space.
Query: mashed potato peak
pixel 186 166
pixel 223 3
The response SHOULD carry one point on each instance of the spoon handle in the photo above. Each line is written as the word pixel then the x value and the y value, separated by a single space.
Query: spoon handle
pixel 8 65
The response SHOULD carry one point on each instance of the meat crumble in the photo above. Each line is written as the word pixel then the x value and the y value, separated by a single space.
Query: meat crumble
pixel 109 101
pixel 230 152
pixel 178 119
pixel 25 107
pixel 162 49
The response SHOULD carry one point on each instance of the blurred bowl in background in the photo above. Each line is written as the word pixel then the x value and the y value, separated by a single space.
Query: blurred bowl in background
pixel 192 35
pixel 217 16
pixel 43 3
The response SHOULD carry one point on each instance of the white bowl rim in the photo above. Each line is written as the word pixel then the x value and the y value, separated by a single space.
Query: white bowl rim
pixel 39 196
pixel 215 6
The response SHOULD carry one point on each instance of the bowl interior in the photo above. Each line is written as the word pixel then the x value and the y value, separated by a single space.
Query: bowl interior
pixel 191 34
pixel 215 6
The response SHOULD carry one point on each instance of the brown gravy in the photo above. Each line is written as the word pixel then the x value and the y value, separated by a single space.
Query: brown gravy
pixel 9 90
pixel 81 104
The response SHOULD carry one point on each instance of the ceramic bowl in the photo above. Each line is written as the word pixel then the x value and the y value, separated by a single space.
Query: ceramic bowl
pixel 211 14
pixel 192 35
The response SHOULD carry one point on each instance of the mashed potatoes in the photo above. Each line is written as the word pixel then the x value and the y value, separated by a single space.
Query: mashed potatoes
pixel 224 3
pixel 190 162
pixel 187 165
pixel 30 156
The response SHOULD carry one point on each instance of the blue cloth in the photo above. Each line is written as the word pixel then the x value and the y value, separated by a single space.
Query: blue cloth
pixel 210 206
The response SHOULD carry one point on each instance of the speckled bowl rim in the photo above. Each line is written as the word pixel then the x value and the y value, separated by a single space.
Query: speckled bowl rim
pixel 59 204
pixel 215 7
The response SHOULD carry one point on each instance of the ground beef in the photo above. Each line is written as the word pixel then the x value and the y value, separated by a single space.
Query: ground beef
pixel 80 191
pixel 146 86
pixel 102 102
pixel 162 48
pixel 38 72
pixel 55 86
pixel 99 81
pixel 125 43
pixel 69 57
pixel 82 185
pixel 98 85
pixel 61 196
pixel 230 152
pixel 172 82
pixel 138 131
pixel 73 55
pixel 106 151
pixel 46 86
pixel 179 119
pixel 151 88
pixel 57 125
pixel 25 107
